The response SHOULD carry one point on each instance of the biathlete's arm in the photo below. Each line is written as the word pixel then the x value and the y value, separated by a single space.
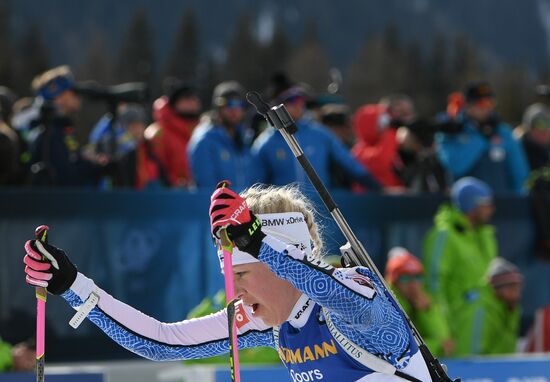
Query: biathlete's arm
pixel 355 294
pixel 189 339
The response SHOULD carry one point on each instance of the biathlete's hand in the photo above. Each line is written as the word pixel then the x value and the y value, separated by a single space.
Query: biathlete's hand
pixel 229 210
pixel 48 267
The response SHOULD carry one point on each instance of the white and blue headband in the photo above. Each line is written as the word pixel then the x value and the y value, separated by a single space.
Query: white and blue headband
pixel 289 227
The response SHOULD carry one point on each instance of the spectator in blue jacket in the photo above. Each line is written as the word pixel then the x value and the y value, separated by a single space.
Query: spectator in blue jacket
pixel 56 157
pixel 320 145
pixel 220 147
pixel 484 148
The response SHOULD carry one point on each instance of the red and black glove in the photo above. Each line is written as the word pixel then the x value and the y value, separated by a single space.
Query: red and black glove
pixel 229 210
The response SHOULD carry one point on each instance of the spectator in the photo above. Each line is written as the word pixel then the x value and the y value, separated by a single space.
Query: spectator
pixel 148 168
pixel 111 138
pixel 20 357
pixel 489 318
pixel 336 116
pixel 484 147
pixel 460 246
pixel 534 135
pixel 421 170
pixel 176 116
pixel 139 167
pixel 56 158
pixel 375 127
pixel 405 274
pixel 220 148
pixel 6 357
pixel 320 145
pixel 24 356
pixel 11 169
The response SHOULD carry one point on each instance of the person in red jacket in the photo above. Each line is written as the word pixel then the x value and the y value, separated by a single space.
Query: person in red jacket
pixel 375 127
pixel 176 116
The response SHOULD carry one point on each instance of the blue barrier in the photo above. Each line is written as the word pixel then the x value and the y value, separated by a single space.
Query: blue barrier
pixel 153 250
pixel 30 377
pixel 478 370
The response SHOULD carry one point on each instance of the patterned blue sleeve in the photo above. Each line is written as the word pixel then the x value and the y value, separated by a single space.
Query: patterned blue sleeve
pixel 355 297
pixel 159 351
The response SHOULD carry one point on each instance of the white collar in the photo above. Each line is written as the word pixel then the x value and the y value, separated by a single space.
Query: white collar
pixel 301 311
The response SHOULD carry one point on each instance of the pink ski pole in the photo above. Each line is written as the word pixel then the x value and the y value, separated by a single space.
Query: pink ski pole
pixel 41 233
pixel 227 247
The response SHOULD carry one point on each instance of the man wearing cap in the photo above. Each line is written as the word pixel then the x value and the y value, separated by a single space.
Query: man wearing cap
pixel 535 135
pixel 176 116
pixel 220 148
pixel 321 146
pixel 485 147
pixel 405 275
pixel 460 246
pixel 56 158
pixel 489 319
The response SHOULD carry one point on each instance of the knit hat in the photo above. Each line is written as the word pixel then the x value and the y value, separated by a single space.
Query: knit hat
pixel 469 192
pixel 476 91
pixel 49 85
pixel 502 272
pixel 536 116
pixel 402 262
pixel 131 114
pixel 225 91
pixel 175 90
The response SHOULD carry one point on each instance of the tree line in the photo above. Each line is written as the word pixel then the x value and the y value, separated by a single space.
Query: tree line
pixel 387 62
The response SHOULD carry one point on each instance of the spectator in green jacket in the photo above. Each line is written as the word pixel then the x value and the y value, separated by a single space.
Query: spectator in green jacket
pixel 20 357
pixel 6 358
pixel 489 320
pixel 460 246
pixel 404 273
pixel 262 355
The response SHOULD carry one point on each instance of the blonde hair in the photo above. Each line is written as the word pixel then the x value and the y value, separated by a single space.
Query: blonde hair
pixel 272 199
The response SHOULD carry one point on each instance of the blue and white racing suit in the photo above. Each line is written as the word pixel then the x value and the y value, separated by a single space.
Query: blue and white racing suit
pixel 353 298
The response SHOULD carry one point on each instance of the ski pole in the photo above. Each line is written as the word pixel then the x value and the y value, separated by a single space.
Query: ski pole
pixel 354 251
pixel 227 248
pixel 41 233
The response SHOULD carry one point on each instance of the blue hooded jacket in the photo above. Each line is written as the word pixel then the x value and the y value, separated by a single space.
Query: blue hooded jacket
pixel 319 145
pixel 214 156
pixel 499 160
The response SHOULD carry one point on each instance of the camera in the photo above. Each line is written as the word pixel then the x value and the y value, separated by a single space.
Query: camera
pixel 424 129
pixel 135 92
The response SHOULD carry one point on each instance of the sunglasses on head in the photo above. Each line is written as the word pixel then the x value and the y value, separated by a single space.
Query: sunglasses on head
pixel 294 99
pixel 235 104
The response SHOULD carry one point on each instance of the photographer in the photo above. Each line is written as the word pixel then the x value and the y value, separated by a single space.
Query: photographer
pixel 375 126
pixel 56 159
pixel 421 170
pixel 485 147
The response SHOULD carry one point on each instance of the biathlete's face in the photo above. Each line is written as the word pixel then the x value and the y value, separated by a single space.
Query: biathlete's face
pixel 270 297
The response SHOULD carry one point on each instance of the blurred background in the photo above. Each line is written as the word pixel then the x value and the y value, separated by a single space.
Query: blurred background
pixel 109 115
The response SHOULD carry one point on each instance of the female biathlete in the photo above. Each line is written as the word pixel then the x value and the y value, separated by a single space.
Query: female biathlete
pixel 329 324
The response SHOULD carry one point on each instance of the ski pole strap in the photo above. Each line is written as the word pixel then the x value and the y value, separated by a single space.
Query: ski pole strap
pixel 361 355
pixel 84 310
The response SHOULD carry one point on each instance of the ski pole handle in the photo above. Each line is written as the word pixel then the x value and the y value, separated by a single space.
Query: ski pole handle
pixel 226 245
pixel 41 233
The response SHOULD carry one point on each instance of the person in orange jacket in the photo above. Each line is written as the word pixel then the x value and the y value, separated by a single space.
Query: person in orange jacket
pixel 176 116
pixel 375 127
